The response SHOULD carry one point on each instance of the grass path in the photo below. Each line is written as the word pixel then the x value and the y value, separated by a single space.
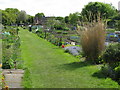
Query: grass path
pixel 50 67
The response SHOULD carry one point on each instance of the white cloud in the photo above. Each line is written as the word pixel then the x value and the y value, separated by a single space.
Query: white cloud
pixel 50 7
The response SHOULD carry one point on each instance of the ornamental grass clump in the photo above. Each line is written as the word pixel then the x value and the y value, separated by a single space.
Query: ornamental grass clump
pixel 92 39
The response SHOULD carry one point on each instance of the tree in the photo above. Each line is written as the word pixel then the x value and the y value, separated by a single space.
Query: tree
pixel 30 19
pixel 9 16
pixel 74 18
pixel 13 14
pixel 114 22
pixel 39 18
pixel 93 9
pixel 12 11
pixel 50 23
pixel 39 15
pixel 117 20
pixel 67 19
pixel 5 18
pixel 22 17
pixel 60 19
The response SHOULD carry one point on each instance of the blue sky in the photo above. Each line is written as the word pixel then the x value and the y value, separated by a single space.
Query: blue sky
pixel 51 7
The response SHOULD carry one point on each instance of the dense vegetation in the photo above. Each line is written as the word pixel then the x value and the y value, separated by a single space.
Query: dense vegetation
pixel 10 48
pixel 90 27
pixel 93 8
pixel 111 58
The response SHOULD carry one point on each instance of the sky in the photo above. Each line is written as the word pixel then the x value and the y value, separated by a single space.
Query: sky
pixel 51 7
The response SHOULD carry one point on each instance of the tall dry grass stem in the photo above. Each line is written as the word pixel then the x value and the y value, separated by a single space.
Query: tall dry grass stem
pixel 92 39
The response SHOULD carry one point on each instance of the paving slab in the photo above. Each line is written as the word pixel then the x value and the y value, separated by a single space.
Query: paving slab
pixel 13 78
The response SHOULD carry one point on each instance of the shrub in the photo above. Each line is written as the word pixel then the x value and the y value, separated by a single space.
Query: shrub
pixel 118 25
pixel 111 57
pixel 65 33
pixel 117 74
pixel 66 29
pixel 10 48
pixel 93 39
pixel 112 53
pixel 58 27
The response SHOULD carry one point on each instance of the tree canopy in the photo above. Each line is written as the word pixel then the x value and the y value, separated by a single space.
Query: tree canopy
pixel 22 17
pixel 93 9
pixel 9 15
pixel 39 15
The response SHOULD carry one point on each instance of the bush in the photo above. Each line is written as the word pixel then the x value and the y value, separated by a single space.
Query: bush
pixel 112 53
pixel 66 28
pixel 65 33
pixel 10 48
pixel 93 40
pixel 58 27
pixel 118 25
pixel 117 74
pixel 111 57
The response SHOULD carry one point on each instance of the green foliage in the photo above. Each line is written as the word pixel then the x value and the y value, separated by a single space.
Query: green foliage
pixel 110 30
pixel 60 18
pixel 27 80
pixel 111 23
pixel 74 18
pixel 79 56
pixel 65 33
pixel 30 19
pixel 66 19
pixel 22 17
pixel 114 22
pixel 6 18
pixel 111 56
pixel 12 16
pixel 58 27
pixel 11 47
pixel 9 16
pixel 112 53
pixel 39 15
pixel 117 73
pixel 93 8
pixel 118 25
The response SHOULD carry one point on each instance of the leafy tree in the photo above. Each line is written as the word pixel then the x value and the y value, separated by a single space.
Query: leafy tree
pixel 30 19
pixel 92 9
pixel 9 16
pixel 117 20
pixel 22 17
pixel 73 18
pixel 60 18
pixel 66 19
pixel 50 23
pixel 39 15
pixel 114 22
pixel 12 11
pixel 13 14
pixel 118 25
pixel 5 18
